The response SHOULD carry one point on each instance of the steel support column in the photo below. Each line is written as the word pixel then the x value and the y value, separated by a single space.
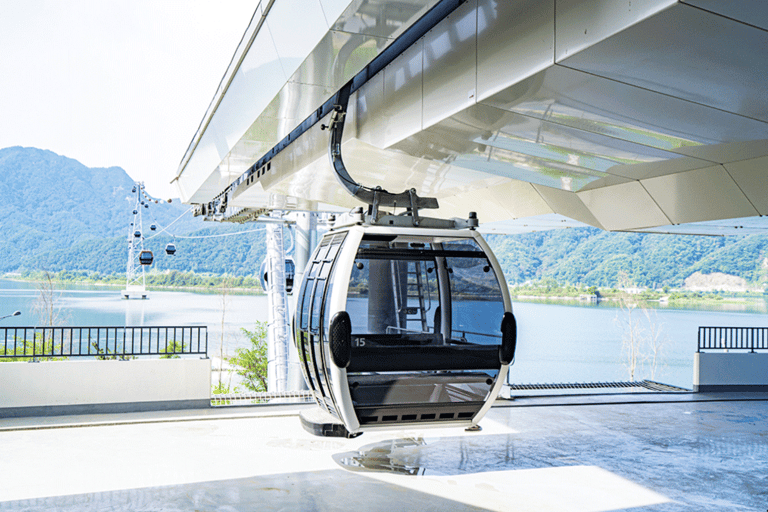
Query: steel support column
pixel 277 334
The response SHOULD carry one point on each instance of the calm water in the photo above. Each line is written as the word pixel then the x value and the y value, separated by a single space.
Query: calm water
pixel 572 343
pixel 556 343
pixel 103 306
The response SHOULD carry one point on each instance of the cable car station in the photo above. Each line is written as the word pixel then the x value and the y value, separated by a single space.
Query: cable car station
pixel 388 138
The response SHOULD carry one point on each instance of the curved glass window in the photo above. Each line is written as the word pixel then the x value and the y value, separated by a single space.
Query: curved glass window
pixel 476 299
pixel 314 291
pixel 425 292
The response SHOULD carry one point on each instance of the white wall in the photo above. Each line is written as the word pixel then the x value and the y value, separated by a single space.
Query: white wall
pixel 730 370
pixel 79 383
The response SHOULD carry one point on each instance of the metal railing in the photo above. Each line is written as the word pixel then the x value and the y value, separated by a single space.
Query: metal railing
pixel 733 338
pixel 25 343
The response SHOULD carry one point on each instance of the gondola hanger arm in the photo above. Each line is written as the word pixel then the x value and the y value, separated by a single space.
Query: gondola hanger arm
pixel 375 197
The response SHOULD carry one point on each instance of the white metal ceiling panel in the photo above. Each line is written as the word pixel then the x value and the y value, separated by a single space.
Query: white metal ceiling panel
pixel 450 65
pixel 581 24
pixel 499 142
pixel 520 198
pixel 529 224
pixel 750 12
pixel 253 86
pixel 598 105
pixel 700 195
pixel 333 10
pixel 369 101
pixel 378 18
pixel 690 54
pixel 729 152
pixel 654 169
pixel 743 226
pixel 337 57
pixel 296 27
pixel 403 98
pixel 624 206
pixel 568 204
pixel 475 201
pixel 514 41
pixel 752 178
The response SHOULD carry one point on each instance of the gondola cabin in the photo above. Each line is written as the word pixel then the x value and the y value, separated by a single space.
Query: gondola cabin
pixel 170 249
pixel 402 327
pixel 290 274
pixel 146 257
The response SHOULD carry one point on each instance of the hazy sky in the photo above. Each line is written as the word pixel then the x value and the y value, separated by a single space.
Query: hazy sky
pixel 114 82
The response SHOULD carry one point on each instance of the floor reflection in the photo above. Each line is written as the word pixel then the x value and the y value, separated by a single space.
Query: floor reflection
pixel 432 456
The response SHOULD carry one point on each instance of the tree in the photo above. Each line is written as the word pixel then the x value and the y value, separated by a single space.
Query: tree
pixel 47 306
pixel 24 347
pixel 251 363
pixel 173 349
pixel 224 289
pixel 642 338
pixel 629 320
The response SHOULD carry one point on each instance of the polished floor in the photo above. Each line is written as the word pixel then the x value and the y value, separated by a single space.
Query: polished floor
pixel 690 452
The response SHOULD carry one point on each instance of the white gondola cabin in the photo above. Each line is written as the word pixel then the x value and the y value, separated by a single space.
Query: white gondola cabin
pixel 398 326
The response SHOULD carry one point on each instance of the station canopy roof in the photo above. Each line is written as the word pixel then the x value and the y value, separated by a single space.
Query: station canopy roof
pixel 642 116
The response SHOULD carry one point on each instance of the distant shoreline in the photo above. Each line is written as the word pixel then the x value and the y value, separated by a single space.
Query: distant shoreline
pixel 680 302
pixel 150 287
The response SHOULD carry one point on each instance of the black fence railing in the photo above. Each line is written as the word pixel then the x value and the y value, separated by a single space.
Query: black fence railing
pixel 24 343
pixel 733 338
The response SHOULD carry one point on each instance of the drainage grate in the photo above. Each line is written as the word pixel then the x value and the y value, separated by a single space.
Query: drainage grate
pixel 665 388
pixel 253 398
pixel 643 384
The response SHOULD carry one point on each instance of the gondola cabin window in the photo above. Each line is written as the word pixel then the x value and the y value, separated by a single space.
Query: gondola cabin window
pixel 427 293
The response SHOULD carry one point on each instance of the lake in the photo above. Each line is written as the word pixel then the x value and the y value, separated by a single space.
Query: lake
pixel 104 306
pixel 556 342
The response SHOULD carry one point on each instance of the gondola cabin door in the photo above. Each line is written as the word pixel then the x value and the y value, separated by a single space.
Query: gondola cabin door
pixel 398 327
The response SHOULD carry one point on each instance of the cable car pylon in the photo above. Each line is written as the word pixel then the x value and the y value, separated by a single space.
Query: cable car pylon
pixel 138 257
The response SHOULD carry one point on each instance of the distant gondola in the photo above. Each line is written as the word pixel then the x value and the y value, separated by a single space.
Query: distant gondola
pixel 146 257
pixel 290 273
pixel 137 234
pixel 153 227
pixel 170 249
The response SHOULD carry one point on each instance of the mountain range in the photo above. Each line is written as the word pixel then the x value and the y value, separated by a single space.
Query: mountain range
pixel 62 215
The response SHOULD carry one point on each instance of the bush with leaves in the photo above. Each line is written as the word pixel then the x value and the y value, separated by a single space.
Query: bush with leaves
pixel 251 363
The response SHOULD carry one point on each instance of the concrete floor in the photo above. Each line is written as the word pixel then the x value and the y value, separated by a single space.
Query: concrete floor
pixel 593 454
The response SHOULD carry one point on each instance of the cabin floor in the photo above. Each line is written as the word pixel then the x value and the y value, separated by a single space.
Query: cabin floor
pixel 655 452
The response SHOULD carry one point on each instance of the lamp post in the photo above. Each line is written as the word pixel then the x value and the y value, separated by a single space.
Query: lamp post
pixel 15 313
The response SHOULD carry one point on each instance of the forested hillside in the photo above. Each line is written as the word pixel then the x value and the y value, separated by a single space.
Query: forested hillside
pixel 61 215
pixel 596 258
